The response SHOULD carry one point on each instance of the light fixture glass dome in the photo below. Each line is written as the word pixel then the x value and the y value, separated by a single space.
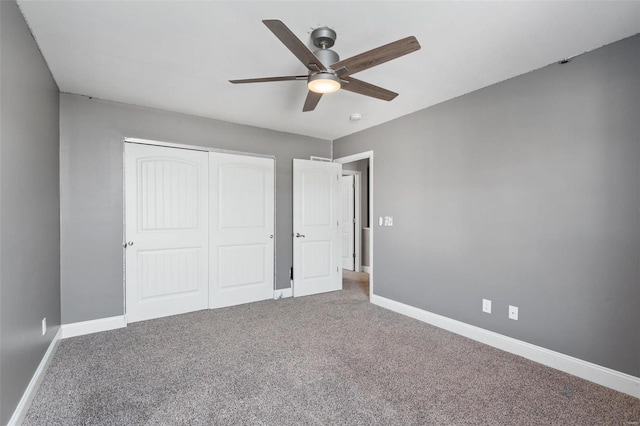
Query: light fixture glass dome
pixel 324 82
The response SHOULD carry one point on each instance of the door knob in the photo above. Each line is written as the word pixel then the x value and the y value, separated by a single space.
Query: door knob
pixel 271 236
pixel 130 243
pixel 299 235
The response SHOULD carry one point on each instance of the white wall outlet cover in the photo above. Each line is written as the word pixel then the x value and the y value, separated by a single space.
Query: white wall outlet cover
pixel 513 312
pixel 486 306
pixel 44 326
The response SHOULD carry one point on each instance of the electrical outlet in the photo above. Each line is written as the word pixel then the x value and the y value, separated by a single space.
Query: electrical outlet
pixel 513 312
pixel 486 306
pixel 44 326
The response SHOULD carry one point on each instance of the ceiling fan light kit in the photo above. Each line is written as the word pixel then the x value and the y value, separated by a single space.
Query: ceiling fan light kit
pixel 323 82
pixel 326 72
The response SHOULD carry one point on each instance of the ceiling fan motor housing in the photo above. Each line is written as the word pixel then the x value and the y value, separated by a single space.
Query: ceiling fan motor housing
pixel 325 38
pixel 327 56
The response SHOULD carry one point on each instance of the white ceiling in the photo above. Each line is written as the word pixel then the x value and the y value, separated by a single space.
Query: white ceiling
pixel 178 55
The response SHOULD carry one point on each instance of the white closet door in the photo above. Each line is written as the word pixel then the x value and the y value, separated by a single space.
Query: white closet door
pixel 166 193
pixel 348 221
pixel 242 236
pixel 317 254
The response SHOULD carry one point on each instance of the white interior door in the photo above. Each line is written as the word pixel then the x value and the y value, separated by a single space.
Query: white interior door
pixel 347 192
pixel 242 236
pixel 316 228
pixel 166 231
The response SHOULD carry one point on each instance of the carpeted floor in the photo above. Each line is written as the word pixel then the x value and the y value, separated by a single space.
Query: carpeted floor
pixel 317 360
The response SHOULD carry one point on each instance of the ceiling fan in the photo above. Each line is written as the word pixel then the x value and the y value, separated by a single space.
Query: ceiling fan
pixel 327 73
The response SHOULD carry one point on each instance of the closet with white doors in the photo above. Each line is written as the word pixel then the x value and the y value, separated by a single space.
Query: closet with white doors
pixel 199 230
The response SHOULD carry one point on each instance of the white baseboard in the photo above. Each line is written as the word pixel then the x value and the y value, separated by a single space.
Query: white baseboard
pixel 366 269
pixel 93 326
pixel 595 373
pixel 24 403
pixel 283 293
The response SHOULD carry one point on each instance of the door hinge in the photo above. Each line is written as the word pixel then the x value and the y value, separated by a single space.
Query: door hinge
pixel 354 220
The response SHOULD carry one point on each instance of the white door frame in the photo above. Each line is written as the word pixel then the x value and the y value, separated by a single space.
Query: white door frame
pixel 357 214
pixel 349 159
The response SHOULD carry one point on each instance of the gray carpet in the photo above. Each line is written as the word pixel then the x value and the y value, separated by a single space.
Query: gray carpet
pixel 317 360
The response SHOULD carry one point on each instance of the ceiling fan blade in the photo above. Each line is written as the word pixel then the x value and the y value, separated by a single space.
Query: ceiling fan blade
pixel 267 79
pixel 367 89
pixel 377 56
pixel 293 43
pixel 312 100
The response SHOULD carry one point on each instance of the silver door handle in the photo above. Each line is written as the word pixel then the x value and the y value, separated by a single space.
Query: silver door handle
pixel 129 243
pixel 299 235
pixel 271 236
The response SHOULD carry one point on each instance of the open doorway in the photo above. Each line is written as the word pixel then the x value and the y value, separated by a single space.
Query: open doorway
pixel 360 168
pixel 351 237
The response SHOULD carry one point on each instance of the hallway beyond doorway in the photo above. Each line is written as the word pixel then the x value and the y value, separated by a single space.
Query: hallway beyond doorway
pixel 359 279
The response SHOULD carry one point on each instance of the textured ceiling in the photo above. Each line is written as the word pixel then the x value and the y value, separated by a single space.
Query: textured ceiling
pixel 178 55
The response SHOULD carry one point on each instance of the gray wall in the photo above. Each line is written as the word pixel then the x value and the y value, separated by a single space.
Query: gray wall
pixel 29 207
pixel 91 140
pixel 525 193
